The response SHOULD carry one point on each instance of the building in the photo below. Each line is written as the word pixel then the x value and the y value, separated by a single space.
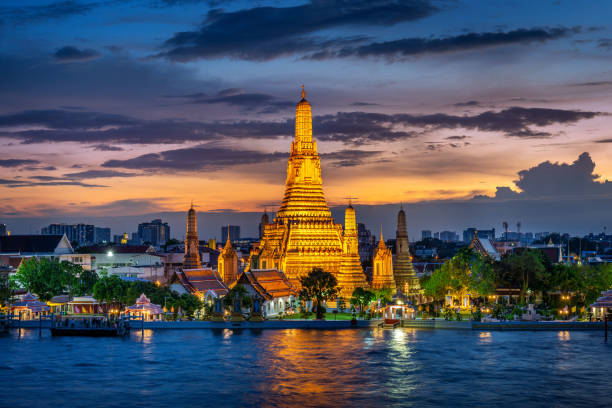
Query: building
pixel 367 243
pixel 485 247
pixel 382 274
pixel 81 234
pixel 403 271
pixel 155 232
pixel 233 231
pixel 102 235
pixel 227 263
pixel 35 245
pixel 264 220
pixel 204 283
pixel 3 230
pixel 425 234
pixel 449 236
pixel 127 261
pixel 271 286
pixel 470 233
pixel 192 244
pixel 350 276
pixel 303 234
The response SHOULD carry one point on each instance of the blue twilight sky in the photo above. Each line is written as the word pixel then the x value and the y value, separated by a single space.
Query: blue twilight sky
pixel 471 112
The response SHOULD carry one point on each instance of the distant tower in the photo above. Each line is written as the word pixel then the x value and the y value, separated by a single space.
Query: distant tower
pixel 262 225
pixel 403 271
pixel 227 264
pixel 350 275
pixel 192 245
pixel 505 224
pixel 382 276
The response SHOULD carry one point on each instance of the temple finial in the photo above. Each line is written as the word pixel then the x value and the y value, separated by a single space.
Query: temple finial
pixel 381 235
pixel 303 92
pixel 192 204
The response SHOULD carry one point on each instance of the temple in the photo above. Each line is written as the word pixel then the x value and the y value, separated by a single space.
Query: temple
pixel 382 276
pixel 303 234
pixel 227 264
pixel 351 274
pixel 192 245
pixel 403 271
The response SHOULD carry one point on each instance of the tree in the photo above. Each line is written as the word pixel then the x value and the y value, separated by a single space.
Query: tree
pixel 85 283
pixel 529 269
pixel 111 289
pixel 6 289
pixel 466 272
pixel 46 277
pixel 318 286
pixel 384 295
pixel 362 297
pixel 242 294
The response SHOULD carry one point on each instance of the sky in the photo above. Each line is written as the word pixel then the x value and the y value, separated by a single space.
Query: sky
pixel 470 113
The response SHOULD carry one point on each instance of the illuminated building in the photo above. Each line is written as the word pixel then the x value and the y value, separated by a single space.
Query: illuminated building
pixel 227 264
pixel 382 276
pixel 192 245
pixel 264 220
pixel 303 234
pixel 403 271
pixel 351 274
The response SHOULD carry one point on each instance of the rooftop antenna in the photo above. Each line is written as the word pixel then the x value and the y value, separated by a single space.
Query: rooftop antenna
pixel 505 224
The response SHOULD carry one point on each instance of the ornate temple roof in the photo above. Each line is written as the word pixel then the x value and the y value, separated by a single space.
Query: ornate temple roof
pixel 200 281
pixel 268 283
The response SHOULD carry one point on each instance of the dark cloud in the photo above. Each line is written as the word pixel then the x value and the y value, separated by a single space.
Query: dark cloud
pixel 558 180
pixel 17 162
pixel 16 183
pixel 457 137
pixel 349 158
pixel 604 141
pixel 347 127
pixel 43 168
pixel 107 148
pixel 89 174
pixel 264 33
pixel 467 104
pixel 55 10
pixel 363 104
pixel 593 83
pixel 605 43
pixel 247 101
pixel 73 54
pixel 409 47
pixel 201 157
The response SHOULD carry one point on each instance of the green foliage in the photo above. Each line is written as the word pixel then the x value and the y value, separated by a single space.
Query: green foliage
pixel 242 294
pixel 47 277
pixel 362 298
pixel 111 289
pixel 477 315
pixel 188 303
pixel 467 271
pixel 385 295
pixel 529 269
pixel 318 286
pixel 6 288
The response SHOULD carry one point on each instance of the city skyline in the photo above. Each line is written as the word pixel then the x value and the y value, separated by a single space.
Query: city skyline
pixel 440 105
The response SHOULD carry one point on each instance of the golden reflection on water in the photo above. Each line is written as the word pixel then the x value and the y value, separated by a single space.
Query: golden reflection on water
pixel 485 337
pixel 307 370
pixel 563 335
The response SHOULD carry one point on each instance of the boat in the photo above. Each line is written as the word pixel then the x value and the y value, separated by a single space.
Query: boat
pixel 90 328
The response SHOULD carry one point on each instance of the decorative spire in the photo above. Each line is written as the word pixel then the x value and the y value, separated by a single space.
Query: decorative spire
pixel 303 92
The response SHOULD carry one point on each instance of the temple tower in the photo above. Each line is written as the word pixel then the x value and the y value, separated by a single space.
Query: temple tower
pixel 382 276
pixel 192 245
pixel 351 274
pixel 262 225
pixel 227 264
pixel 403 271
pixel 303 235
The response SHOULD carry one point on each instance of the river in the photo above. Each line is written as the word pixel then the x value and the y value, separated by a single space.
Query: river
pixel 335 368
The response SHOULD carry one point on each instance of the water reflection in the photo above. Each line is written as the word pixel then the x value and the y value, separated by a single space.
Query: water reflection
pixel 485 337
pixel 564 336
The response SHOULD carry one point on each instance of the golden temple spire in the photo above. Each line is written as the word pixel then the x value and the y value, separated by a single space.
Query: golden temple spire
pixel 303 92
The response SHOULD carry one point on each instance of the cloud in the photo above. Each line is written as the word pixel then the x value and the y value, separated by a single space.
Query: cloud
pixel 201 157
pixel 467 104
pixel 349 158
pixel 17 162
pixel 593 83
pixel 89 174
pixel 604 141
pixel 16 183
pixel 73 54
pixel 409 47
pixel 55 10
pixel 247 101
pixel 264 33
pixel 353 128
pixel 107 148
pixel 558 180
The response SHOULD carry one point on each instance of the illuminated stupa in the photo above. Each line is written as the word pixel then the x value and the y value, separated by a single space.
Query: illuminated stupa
pixel 192 245
pixel 303 235
pixel 351 274
pixel 403 270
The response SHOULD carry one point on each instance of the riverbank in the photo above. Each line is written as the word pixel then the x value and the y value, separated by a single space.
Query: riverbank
pixel 440 324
